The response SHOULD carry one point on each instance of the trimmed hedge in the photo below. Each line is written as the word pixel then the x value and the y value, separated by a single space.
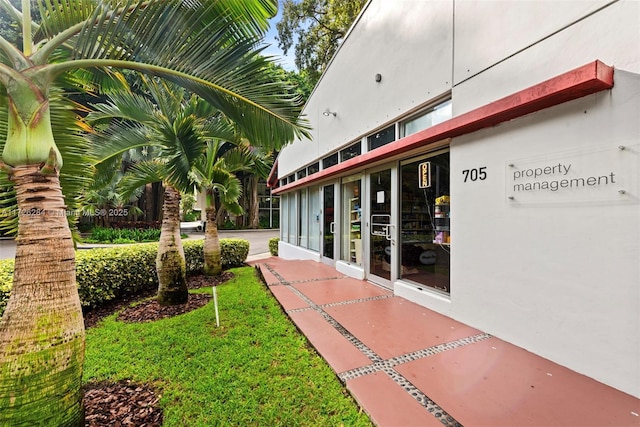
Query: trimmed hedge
pixel 104 274
pixel 273 246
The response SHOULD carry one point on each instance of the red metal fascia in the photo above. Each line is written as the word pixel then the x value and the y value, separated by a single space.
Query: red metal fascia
pixel 272 179
pixel 586 80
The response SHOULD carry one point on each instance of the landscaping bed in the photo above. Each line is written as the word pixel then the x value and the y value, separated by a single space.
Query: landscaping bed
pixel 255 369
pixel 125 403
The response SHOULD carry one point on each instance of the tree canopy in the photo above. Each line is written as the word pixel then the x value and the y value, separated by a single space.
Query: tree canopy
pixel 315 29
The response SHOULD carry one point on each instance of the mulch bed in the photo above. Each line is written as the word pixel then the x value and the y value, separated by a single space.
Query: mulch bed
pixel 121 404
pixel 125 404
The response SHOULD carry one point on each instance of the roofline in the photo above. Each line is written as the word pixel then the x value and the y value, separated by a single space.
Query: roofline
pixel 577 83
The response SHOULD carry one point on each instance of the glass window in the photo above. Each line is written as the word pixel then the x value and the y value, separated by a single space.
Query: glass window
pixel 302 173
pixel 284 229
pixel 292 217
pixel 382 137
pixel 431 117
pixel 314 218
pixel 313 168
pixel 303 219
pixel 425 235
pixel 291 178
pixel 329 161
pixel 351 239
pixel 350 152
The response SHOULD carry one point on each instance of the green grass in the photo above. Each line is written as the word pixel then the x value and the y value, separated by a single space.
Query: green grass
pixel 255 369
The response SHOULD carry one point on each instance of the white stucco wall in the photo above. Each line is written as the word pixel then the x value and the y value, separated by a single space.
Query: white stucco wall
pixel 559 278
pixel 348 87
pixel 513 61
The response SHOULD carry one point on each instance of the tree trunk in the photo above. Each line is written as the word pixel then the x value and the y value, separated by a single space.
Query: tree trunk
pixel 158 200
pixel 212 257
pixel 149 206
pixel 170 262
pixel 42 329
pixel 221 216
pixel 254 206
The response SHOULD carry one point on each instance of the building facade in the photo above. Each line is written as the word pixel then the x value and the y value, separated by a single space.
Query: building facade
pixel 481 159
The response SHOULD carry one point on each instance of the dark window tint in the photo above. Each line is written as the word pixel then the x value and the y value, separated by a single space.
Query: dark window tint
pixel 382 137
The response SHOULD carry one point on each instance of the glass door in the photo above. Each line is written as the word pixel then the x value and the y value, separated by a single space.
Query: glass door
pixel 351 221
pixel 328 223
pixel 425 231
pixel 381 222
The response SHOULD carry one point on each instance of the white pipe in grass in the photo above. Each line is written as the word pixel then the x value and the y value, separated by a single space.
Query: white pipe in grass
pixel 215 304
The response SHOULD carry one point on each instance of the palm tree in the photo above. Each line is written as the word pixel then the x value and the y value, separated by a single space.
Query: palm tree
pixel 209 47
pixel 177 127
pixel 215 176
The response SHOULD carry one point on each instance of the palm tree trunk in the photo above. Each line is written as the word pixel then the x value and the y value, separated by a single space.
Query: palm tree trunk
pixel 221 216
pixel 254 205
pixel 170 262
pixel 212 257
pixel 42 329
pixel 149 207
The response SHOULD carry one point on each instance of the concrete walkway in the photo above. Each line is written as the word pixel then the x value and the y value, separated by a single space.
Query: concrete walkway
pixel 409 366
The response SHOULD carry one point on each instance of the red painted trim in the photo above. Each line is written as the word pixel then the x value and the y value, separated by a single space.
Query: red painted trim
pixel 272 179
pixel 586 80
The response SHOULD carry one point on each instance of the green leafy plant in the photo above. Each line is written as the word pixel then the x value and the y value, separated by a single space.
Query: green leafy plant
pixel 273 246
pixel 210 47
pixel 123 235
pixel 104 274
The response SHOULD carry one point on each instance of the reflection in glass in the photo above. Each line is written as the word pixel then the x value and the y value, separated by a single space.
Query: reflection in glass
pixel 380 220
pixel 425 233
pixel 432 117
pixel 328 224
pixel 351 240
pixel 314 219
pixel 303 226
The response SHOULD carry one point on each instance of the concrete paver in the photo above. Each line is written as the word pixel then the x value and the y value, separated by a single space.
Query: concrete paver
pixel 409 366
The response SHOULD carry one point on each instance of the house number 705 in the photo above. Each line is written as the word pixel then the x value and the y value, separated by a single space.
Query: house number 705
pixel 475 174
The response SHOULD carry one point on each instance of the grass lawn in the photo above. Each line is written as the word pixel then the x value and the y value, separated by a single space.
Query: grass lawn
pixel 255 369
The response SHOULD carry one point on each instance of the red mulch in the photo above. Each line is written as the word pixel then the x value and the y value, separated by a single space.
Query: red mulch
pixel 125 404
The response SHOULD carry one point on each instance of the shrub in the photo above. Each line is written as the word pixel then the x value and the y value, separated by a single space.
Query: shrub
pixel 273 246
pixel 6 279
pixel 194 256
pixel 104 274
pixel 123 235
pixel 233 252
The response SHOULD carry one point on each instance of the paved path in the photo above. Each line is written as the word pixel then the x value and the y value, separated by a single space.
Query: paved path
pixel 258 242
pixel 409 366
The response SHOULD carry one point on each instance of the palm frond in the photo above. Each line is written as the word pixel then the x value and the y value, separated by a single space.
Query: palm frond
pixel 189 146
pixel 229 189
pixel 57 16
pixel 262 161
pixel 208 47
pixel 118 138
pixel 238 159
pixel 124 105
pixel 141 174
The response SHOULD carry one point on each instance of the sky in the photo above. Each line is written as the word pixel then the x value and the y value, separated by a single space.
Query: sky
pixel 286 61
